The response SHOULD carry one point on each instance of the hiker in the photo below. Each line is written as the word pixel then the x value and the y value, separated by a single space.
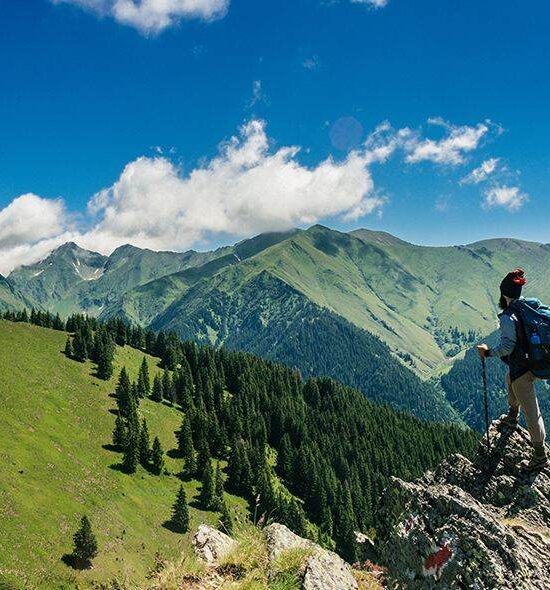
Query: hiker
pixel 520 380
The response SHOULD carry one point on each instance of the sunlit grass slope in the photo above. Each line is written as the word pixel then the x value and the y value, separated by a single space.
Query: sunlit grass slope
pixel 54 423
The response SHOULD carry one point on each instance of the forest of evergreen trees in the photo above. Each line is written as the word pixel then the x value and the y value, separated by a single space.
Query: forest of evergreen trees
pixel 328 444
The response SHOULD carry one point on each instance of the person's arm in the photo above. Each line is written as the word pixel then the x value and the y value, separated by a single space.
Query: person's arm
pixel 508 338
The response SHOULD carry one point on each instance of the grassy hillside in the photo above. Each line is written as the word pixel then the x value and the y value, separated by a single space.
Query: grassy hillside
pixel 55 421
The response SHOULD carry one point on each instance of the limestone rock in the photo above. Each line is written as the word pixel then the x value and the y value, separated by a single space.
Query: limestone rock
pixel 482 525
pixel 212 545
pixel 324 570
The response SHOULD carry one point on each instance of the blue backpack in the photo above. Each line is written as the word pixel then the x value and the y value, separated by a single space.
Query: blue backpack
pixel 534 319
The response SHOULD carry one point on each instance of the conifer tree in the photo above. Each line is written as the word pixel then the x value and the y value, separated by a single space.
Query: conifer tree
pixel 85 543
pixel 157 393
pixel 180 512
pixel 131 451
pixel 124 392
pixel 144 445
pixel 80 351
pixel 157 457
pixel 218 498
pixel 226 520
pixel 119 433
pixel 104 350
pixel 207 494
pixel 68 348
pixel 203 455
pixel 143 382
pixel 167 389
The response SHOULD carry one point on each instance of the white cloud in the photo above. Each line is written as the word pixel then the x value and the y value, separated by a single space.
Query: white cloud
pixel 482 172
pixel 311 63
pixel 30 218
pixel 450 149
pixel 258 94
pixel 509 197
pixel 248 187
pixel 151 17
pixel 374 3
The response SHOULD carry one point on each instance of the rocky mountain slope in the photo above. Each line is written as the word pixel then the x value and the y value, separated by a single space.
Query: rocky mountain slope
pixel 483 524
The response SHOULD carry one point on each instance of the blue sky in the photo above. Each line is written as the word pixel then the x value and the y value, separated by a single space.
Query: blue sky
pixel 107 107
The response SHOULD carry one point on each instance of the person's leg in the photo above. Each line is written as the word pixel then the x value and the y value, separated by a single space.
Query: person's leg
pixel 524 391
pixel 511 419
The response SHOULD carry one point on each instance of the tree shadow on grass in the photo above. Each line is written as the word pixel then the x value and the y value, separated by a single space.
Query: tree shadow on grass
pixel 172 526
pixel 75 562
pixel 111 447
pixel 113 411
pixel 174 454
pixel 118 467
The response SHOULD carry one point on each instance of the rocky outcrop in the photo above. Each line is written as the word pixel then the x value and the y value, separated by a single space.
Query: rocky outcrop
pixel 212 545
pixel 323 569
pixel 482 525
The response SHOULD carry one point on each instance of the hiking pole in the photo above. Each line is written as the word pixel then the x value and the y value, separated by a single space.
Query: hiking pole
pixel 486 402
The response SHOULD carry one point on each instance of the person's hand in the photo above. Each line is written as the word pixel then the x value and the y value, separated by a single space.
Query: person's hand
pixel 483 349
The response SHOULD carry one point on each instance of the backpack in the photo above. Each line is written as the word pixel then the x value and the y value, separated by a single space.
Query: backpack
pixel 534 319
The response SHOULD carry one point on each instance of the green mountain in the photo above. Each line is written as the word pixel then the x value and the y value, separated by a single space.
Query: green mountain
pixel 266 426
pixel 425 304
pixel 268 317
pixel 10 298
pixel 72 279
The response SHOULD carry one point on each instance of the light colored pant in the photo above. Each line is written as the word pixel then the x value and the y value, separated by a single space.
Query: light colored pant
pixel 521 392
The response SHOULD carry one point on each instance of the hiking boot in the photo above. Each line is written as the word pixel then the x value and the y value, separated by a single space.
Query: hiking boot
pixel 508 421
pixel 536 463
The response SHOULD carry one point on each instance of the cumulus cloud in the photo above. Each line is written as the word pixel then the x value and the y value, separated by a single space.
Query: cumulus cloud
pixel 482 172
pixel 508 197
pixel 248 187
pixel 450 149
pixel 30 218
pixel 151 17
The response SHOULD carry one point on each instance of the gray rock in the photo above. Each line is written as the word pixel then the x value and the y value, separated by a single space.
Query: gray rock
pixel 480 525
pixel 323 569
pixel 212 545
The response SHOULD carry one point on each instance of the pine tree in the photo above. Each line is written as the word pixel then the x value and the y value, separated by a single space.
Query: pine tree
pixel 68 348
pixel 207 494
pixel 167 389
pixel 144 446
pixel 124 392
pixel 226 520
pixel 104 350
pixel 85 543
pixel 119 433
pixel 157 457
pixel 131 451
pixel 218 498
pixel 157 393
pixel 180 512
pixel 80 351
pixel 143 382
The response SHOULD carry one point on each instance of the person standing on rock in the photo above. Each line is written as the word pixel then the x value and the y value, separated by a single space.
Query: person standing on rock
pixel 520 380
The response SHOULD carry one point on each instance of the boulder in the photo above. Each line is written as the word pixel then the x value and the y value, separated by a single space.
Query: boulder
pixel 483 524
pixel 212 545
pixel 323 569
